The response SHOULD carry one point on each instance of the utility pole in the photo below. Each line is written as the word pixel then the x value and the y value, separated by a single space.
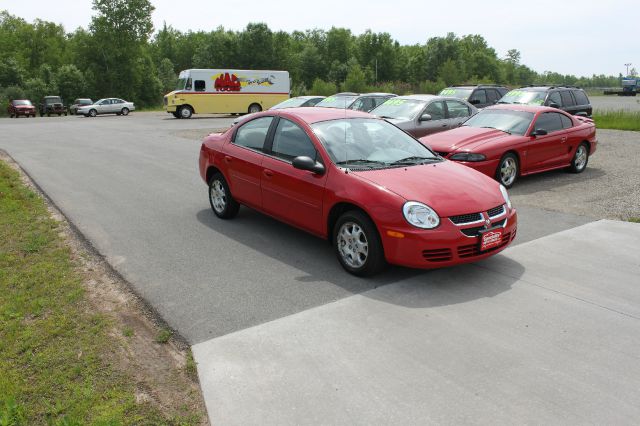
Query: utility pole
pixel 628 65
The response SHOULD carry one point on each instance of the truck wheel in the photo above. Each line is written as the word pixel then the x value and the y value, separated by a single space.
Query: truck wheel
pixel 175 114
pixel 185 111
pixel 253 108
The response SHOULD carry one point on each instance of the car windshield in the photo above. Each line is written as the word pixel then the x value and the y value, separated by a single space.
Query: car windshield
pixel 52 101
pixel 22 102
pixel 181 83
pixel 290 103
pixel 99 101
pixel 516 122
pixel 526 97
pixel 336 102
pixel 370 143
pixel 401 109
pixel 456 92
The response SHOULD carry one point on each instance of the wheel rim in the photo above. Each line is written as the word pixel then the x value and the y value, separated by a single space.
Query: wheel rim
pixel 353 245
pixel 185 113
pixel 125 111
pixel 218 196
pixel 581 157
pixel 508 169
pixel 93 113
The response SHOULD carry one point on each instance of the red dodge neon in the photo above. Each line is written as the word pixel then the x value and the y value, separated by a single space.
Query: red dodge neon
pixel 507 141
pixel 374 191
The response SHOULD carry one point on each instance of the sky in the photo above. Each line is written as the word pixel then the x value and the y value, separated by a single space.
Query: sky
pixel 565 36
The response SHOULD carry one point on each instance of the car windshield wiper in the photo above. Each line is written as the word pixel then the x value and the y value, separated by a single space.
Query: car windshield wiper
pixel 416 160
pixel 361 162
pixel 495 128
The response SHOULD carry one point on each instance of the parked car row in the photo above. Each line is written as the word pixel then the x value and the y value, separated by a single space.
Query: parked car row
pixel 420 181
pixel 53 105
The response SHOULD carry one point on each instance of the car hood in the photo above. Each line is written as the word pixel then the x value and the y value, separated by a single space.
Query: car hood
pixel 465 138
pixel 449 188
pixel 24 107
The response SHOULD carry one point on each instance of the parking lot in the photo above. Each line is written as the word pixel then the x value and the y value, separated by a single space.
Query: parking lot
pixel 615 103
pixel 283 335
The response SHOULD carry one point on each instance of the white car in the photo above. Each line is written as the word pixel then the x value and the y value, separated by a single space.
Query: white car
pixel 107 106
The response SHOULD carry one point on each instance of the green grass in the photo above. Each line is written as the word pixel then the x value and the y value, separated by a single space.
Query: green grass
pixel 620 120
pixel 634 219
pixel 54 351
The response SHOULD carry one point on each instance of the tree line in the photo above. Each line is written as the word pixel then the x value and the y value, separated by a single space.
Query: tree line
pixel 119 55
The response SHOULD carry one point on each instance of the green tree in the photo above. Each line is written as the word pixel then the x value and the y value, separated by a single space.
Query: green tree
pixel 166 75
pixel 356 80
pixel 71 83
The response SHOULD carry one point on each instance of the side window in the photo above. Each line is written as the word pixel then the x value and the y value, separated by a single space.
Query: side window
pixel 554 98
pixel 479 95
pixel 566 121
pixel 199 86
pixel 567 99
pixel 358 105
pixel 378 101
pixel 581 98
pixel 549 121
pixel 252 134
pixel 435 110
pixel 492 96
pixel 291 141
pixel 457 109
pixel 312 102
pixel 188 86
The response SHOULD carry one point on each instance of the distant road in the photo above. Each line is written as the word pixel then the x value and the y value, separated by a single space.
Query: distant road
pixel 613 103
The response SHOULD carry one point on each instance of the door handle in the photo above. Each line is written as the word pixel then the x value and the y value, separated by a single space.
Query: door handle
pixel 268 173
pixel 227 159
pixel 563 140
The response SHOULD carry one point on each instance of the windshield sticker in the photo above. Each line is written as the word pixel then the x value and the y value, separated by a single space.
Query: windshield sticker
pixel 395 102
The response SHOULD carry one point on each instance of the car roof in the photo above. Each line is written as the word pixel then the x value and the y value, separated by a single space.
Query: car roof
pixel 525 108
pixel 315 114
pixel 378 94
pixel 419 97
pixel 309 97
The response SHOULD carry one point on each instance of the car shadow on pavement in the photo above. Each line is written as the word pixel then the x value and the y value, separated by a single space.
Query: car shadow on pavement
pixel 315 258
pixel 526 185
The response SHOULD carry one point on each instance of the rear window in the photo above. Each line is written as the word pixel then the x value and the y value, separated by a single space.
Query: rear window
pixel 581 98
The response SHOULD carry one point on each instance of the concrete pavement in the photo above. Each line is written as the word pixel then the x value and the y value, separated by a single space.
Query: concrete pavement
pixel 546 333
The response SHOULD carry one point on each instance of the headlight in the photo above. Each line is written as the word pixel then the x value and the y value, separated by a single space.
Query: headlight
pixel 420 215
pixel 505 195
pixel 467 156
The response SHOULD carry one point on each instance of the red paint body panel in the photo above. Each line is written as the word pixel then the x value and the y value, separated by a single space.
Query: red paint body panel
pixel 536 154
pixel 305 200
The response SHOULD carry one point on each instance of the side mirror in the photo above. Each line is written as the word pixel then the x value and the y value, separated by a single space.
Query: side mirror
pixel 554 105
pixel 425 117
pixel 306 163
pixel 538 132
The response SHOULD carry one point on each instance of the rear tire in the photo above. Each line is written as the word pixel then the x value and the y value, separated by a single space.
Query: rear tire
pixel 175 114
pixel 222 202
pixel 253 108
pixel 358 245
pixel 580 159
pixel 508 170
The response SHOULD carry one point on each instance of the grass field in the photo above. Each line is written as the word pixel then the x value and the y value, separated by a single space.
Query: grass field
pixel 619 120
pixel 55 362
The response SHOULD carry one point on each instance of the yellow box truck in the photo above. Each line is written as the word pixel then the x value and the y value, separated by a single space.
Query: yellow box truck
pixel 226 91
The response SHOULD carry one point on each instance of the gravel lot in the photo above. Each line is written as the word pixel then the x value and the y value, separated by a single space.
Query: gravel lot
pixel 614 103
pixel 608 188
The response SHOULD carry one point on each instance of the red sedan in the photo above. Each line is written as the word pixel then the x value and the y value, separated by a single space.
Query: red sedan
pixel 374 191
pixel 508 141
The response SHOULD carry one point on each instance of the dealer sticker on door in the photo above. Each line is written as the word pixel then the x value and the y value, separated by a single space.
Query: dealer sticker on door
pixel 490 239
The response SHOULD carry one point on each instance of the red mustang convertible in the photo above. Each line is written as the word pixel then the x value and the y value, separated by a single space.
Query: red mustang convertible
pixel 374 191
pixel 507 141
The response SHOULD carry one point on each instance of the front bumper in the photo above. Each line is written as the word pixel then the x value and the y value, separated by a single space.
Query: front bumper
pixel 444 246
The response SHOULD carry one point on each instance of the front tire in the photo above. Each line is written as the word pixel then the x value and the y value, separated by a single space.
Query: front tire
pixel 175 114
pixel 185 111
pixel 253 108
pixel 508 170
pixel 222 202
pixel 125 111
pixel 357 244
pixel 93 113
pixel 580 159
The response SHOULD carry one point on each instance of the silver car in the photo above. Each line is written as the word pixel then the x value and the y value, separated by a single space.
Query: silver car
pixel 107 106
pixel 421 115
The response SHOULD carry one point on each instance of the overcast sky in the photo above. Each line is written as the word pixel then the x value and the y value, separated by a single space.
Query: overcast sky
pixel 570 36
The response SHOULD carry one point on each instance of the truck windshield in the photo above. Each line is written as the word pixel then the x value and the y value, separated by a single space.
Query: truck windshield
pixel 22 102
pixel 181 83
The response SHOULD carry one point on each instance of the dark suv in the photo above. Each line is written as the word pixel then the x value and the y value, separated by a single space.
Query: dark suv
pixel 480 96
pixel 52 105
pixel 570 99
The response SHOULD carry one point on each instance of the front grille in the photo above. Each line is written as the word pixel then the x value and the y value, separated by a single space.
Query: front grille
pixel 472 250
pixel 437 255
pixel 496 211
pixel 465 218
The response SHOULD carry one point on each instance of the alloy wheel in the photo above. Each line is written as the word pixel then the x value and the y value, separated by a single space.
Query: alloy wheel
pixel 352 244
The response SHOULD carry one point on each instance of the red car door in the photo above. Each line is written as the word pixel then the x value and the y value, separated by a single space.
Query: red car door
pixel 242 160
pixel 548 150
pixel 290 194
